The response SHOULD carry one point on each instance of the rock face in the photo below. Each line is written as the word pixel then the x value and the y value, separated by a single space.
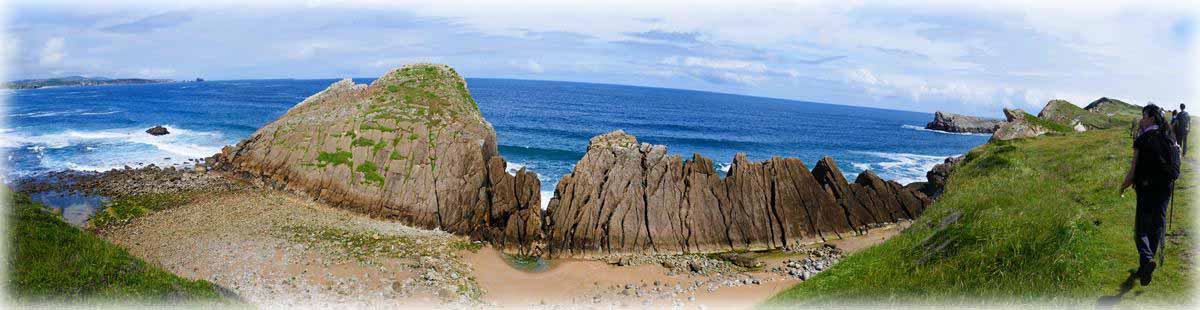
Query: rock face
pixel 412 146
pixel 1061 111
pixel 951 122
pixel 939 175
pixel 157 131
pixel 629 197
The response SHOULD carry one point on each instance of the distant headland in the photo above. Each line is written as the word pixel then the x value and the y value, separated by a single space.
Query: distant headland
pixel 79 81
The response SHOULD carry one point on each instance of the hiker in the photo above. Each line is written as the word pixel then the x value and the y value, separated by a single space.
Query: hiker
pixel 1151 173
pixel 1180 123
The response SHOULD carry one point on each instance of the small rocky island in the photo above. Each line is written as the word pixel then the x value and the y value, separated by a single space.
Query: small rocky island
pixel 950 122
pixel 157 130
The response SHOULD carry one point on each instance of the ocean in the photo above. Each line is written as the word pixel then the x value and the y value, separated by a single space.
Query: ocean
pixel 543 126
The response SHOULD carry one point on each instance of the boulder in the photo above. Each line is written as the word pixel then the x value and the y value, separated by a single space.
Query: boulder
pixel 157 131
pixel 411 146
pixel 1014 115
pixel 625 197
pixel 951 122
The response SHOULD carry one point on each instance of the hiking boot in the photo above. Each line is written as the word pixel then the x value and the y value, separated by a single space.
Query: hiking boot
pixel 1147 272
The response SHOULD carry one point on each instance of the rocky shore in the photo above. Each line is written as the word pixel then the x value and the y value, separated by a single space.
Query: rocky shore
pixel 413 147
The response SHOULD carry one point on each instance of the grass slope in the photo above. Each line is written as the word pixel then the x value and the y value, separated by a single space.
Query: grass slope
pixel 1039 220
pixel 52 261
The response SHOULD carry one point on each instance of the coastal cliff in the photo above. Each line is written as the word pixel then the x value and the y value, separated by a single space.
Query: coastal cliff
pixel 412 146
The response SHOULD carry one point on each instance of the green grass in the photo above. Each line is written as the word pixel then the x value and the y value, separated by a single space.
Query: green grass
pixel 1066 113
pixel 52 261
pixel 370 172
pixel 123 209
pixel 362 142
pixel 1040 221
pixel 1052 126
pixel 336 158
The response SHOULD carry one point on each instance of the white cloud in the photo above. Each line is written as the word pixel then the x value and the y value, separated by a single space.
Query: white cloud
pixel 533 66
pixel 155 73
pixel 52 53
pixel 718 64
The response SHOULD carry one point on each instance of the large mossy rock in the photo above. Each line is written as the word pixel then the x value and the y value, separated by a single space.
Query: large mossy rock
pixel 411 146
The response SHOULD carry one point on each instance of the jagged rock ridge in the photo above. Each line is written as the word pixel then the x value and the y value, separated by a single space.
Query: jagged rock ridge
pixel 629 197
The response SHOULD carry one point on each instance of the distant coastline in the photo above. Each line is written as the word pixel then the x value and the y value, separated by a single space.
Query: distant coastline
pixel 72 81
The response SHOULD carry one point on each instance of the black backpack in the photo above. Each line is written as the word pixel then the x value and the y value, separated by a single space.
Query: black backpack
pixel 1161 163
pixel 1169 161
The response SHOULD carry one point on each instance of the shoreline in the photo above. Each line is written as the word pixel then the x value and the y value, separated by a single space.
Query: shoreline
pixel 274 248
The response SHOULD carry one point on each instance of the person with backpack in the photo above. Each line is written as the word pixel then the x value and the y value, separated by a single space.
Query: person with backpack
pixel 1152 174
pixel 1180 122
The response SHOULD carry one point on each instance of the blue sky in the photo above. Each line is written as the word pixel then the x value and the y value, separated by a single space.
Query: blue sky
pixel 921 56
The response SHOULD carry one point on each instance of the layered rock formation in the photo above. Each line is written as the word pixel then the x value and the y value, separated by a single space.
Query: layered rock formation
pixel 630 197
pixel 951 122
pixel 411 146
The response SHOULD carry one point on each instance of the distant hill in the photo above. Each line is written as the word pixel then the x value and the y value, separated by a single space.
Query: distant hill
pixel 76 81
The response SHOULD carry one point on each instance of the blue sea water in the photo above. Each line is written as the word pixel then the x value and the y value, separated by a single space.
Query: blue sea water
pixel 542 125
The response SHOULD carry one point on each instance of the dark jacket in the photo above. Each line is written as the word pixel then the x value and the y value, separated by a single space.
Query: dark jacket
pixel 1154 160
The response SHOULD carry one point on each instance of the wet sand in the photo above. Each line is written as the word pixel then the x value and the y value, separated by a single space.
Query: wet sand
pixel 598 284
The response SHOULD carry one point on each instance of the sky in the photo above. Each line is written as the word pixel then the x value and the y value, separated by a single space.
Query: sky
pixel 966 58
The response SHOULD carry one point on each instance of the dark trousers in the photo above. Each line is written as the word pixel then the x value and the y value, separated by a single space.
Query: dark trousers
pixel 1182 137
pixel 1149 223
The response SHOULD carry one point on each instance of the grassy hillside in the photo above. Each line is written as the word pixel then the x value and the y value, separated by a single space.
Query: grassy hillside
pixel 1066 113
pixel 52 261
pixel 1032 220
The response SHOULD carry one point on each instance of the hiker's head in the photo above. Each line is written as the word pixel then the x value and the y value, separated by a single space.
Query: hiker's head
pixel 1152 115
pixel 1182 106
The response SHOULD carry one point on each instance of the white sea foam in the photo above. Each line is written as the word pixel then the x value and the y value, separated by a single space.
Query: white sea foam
pixel 116 148
pixel 512 168
pixel 546 195
pixel 902 167
pixel 77 112
pixel 943 132
pixel 724 167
